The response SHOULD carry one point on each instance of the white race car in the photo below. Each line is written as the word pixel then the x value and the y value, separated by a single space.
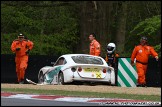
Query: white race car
pixel 77 67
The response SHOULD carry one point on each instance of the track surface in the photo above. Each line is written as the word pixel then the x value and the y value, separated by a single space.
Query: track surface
pixel 86 88
pixel 99 101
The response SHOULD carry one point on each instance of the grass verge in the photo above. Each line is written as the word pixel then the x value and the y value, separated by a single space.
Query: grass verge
pixel 83 94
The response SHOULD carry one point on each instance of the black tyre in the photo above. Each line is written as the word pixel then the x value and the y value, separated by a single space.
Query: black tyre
pixel 61 79
pixel 92 83
pixel 41 78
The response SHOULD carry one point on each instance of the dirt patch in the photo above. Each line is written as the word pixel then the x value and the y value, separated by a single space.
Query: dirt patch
pixel 86 88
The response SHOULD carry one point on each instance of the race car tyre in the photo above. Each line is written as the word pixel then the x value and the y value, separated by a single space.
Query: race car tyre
pixel 41 78
pixel 61 79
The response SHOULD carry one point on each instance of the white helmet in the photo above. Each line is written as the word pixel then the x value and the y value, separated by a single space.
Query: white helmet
pixel 111 48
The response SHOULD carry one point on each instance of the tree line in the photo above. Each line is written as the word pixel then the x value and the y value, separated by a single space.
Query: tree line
pixel 60 27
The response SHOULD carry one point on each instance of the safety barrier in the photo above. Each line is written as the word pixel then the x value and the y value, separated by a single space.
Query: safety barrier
pixel 127 75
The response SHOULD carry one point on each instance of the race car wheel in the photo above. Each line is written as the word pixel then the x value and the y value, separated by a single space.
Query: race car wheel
pixel 41 78
pixel 61 79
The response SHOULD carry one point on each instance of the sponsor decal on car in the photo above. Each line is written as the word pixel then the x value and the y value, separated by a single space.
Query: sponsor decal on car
pixel 91 70
pixel 98 75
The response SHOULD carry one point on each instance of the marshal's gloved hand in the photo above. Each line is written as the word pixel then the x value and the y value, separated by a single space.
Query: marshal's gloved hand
pixel 17 49
pixel 27 52
pixel 132 63
pixel 156 57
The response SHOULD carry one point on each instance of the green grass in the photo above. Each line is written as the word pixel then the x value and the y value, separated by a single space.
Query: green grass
pixel 83 94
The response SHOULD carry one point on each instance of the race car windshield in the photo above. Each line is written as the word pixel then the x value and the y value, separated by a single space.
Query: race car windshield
pixel 87 60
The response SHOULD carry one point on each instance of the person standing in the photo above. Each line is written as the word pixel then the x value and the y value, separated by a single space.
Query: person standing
pixel 94 45
pixel 21 47
pixel 111 55
pixel 141 54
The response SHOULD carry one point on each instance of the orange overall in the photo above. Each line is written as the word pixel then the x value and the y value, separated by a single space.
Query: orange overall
pixel 21 58
pixel 94 48
pixel 142 53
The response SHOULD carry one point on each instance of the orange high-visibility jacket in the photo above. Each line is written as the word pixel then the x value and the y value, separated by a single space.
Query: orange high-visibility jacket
pixel 94 48
pixel 142 53
pixel 24 45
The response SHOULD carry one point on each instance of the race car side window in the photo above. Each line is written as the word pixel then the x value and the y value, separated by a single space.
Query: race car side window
pixel 61 61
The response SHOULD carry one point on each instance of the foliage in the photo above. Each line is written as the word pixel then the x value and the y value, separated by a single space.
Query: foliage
pixel 150 28
pixel 54 30
pixel 158 49
pixel 46 22
pixel 45 45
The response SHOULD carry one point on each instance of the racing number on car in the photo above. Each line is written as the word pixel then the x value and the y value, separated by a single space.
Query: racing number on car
pixel 98 75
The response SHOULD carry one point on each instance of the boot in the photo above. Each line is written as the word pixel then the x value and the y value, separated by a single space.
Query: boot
pixel 22 81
